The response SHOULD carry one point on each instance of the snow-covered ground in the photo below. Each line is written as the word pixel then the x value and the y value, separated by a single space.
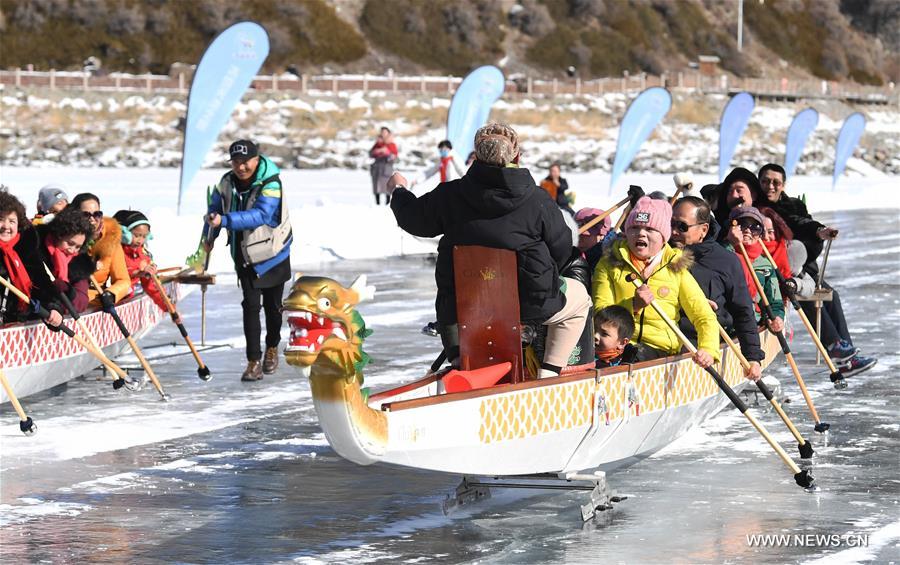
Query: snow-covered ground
pixel 319 130
pixel 334 215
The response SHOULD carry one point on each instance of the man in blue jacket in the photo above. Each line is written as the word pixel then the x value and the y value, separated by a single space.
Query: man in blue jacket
pixel 248 202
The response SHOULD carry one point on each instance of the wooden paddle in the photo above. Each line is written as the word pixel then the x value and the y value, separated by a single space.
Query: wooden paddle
pixel 766 309
pixel 803 446
pixel 26 424
pixel 123 379
pixel 202 369
pixel 597 219
pixel 134 346
pixel 836 377
pixel 801 477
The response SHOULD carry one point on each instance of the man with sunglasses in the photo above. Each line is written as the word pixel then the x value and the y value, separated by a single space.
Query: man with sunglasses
pixel 719 274
pixel 835 334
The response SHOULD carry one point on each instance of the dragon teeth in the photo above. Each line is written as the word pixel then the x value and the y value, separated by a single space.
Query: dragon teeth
pixel 321 340
pixel 321 321
pixel 302 332
pixel 338 332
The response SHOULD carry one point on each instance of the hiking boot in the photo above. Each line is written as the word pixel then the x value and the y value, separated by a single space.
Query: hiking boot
pixel 857 364
pixel 842 351
pixel 270 360
pixel 253 372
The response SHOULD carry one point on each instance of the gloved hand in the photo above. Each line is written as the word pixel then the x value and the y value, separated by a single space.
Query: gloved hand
pixel 791 286
pixel 634 194
pixel 108 300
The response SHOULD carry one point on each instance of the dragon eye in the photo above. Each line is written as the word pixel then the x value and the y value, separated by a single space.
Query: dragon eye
pixel 324 304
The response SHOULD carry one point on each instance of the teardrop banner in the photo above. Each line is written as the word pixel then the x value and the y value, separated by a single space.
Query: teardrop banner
pixel 225 71
pixel 734 121
pixel 641 118
pixel 847 141
pixel 471 106
pixel 803 125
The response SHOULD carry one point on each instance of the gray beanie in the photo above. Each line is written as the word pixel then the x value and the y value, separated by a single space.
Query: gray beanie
pixel 49 195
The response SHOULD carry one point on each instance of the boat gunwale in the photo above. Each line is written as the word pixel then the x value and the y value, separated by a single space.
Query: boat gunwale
pixel 504 388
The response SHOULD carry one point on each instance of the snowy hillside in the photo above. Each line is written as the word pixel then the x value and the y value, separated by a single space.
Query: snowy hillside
pixel 47 129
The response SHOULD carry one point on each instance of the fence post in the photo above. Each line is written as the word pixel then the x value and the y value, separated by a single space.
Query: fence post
pixel 18 77
pixel 680 79
pixel 554 87
pixel 577 86
pixel 643 81
pixel 52 79
pixel 274 82
pixel 334 85
pixel 449 84
pixel 181 83
pixel 303 84
pixel 530 86
pixel 423 83
pixel 149 82
pixel 365 82
pixel 84 80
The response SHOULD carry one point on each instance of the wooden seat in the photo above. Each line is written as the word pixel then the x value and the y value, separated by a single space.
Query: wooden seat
pixel 487 308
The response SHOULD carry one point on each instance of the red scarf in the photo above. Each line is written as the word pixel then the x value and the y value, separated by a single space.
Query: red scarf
pixel 754 250
pixel 445 164
pixel 60 259
pixel 16 269
pixel 778 251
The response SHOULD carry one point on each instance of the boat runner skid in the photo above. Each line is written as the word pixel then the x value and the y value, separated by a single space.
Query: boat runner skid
pixel 36 358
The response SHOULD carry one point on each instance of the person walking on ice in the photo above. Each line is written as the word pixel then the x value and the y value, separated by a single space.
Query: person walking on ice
pixel 249 203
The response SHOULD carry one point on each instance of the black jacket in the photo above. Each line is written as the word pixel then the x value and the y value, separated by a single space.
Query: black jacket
pixel 720 276
pixel 793 212
pixel 42 289
pixel 497 207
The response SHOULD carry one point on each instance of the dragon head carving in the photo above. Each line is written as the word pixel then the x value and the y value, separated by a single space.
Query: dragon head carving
pixel 323 322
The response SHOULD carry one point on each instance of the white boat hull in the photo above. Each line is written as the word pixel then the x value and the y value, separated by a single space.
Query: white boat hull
pixel 34 358
pixel 596 420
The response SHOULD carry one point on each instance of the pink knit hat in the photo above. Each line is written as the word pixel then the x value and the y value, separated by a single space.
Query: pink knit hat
pixel 585 215
pixel 651 214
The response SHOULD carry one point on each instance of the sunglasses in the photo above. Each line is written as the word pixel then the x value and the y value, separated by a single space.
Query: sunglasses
pixel 684 226
pixel 752 225
pixel 98 215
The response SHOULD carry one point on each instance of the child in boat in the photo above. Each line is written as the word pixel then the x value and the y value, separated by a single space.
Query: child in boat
pixel 135 232
pixel 613 327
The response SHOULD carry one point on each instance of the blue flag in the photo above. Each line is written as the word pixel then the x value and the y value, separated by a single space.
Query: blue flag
pixel 803 125
pixel 847 141
pixel 641 118
pixel 225 71
pixel 471 106
pixel 731 127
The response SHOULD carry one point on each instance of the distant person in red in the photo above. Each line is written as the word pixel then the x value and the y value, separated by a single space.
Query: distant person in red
pixel 384 153
pixel 447 165
pixel 135 233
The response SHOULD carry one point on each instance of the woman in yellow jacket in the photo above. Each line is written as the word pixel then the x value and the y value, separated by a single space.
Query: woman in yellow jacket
pixel 106 249
pixel 646 254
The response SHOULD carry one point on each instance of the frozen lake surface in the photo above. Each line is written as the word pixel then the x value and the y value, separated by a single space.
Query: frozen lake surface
pixel 231 472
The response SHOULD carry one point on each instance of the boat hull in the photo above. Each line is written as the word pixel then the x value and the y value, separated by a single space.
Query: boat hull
pixel 595 420
pixel 35 359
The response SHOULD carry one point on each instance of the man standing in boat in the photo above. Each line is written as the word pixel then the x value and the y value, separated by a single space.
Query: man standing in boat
pixel 496 204
pixel 249 203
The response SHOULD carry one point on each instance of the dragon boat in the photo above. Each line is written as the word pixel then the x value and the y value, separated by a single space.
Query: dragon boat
pixel 34 358
pixel 584 421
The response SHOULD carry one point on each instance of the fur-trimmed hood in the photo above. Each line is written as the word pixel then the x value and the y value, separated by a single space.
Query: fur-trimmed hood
pixel 109 241
pixel 675 259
